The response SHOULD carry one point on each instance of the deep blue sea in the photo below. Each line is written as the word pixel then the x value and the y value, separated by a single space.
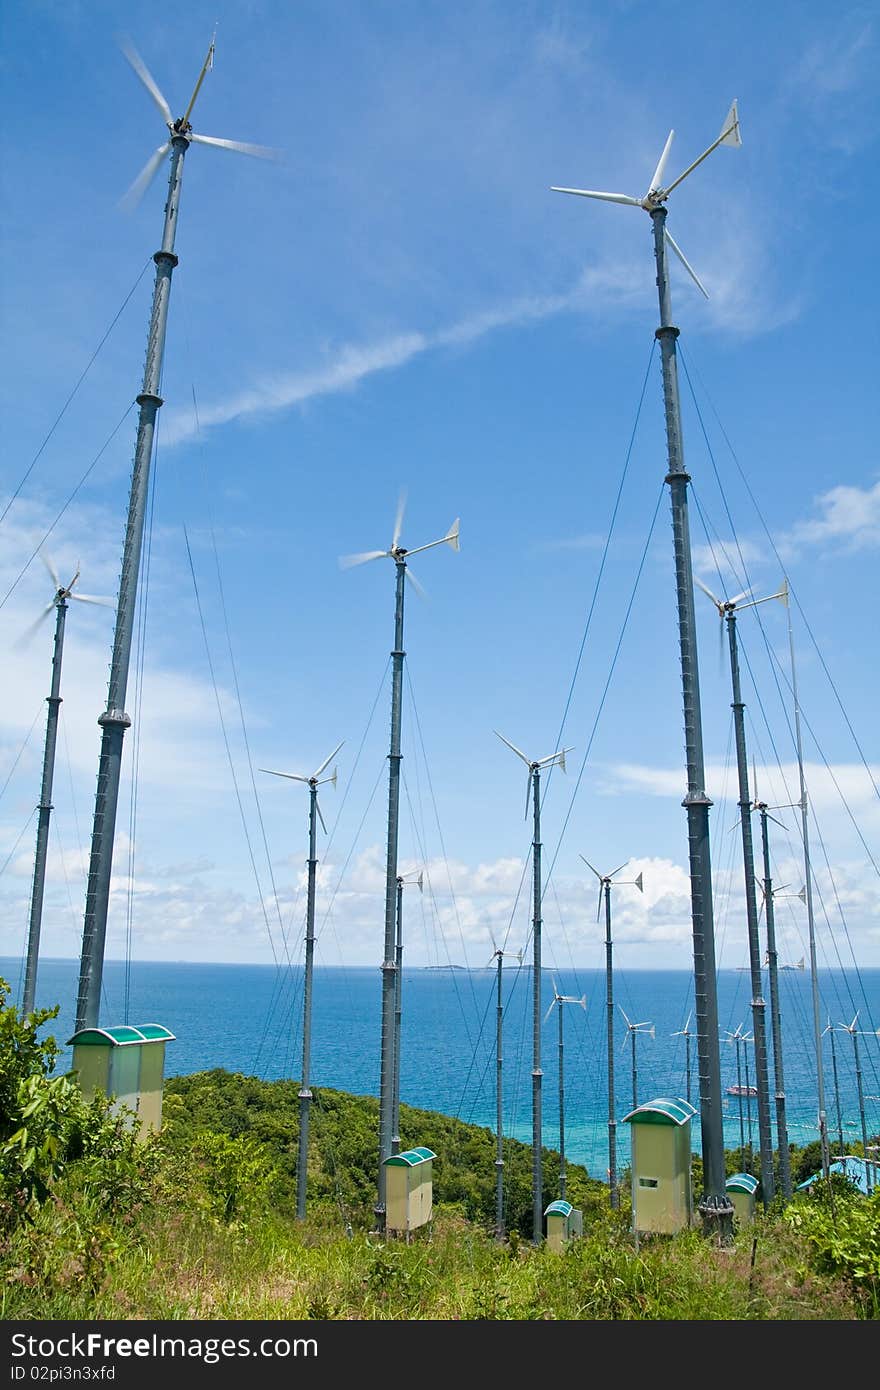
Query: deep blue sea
pixel 248 1019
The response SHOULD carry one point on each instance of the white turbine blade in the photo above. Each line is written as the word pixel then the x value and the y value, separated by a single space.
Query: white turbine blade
pixel 320 817
pixel 327 762
pixel 132 197
pixel 31 631
pixel 651 1031
pixel 550 1010
pixel 604 197
pixel 717 601
pixel 419 588
pixel 207 65
pixel 451 536
pixel 628 1024
pixel 518 751
pixel 687 265
pixel 291 776
pixel 589 866
pixel 140 67
pixel 528 794
pixel 348 562
pixel 257 151
pixel 52 575
pixel 618 869
pixel 91 598
pixel 398 519
pixel 599 904
pixel 657 181
pixel 730 133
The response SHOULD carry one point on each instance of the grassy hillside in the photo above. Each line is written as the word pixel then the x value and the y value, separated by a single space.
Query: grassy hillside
pixel 199 1222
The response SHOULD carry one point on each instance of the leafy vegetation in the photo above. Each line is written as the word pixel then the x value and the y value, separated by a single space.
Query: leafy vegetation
pixel 199 1221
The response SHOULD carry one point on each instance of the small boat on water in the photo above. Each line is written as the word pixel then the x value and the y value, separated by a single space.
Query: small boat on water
pixel 742 1090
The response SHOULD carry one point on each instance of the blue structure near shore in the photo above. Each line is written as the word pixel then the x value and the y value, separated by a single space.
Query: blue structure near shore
pixel 852 1167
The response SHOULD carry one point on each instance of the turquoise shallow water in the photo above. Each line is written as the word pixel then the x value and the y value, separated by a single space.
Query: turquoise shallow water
pixel 248 1019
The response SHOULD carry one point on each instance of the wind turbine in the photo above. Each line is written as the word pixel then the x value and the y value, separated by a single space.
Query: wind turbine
pixel 687 1035
pixel 60 599
pixel 400 555
pixel 605 891
pixel 305 1095
pixel 727 609
pixel 632 1029
pixel 829 1029
pixel 417 876
pixel 716 1208
pixel 853 1032
pixel 498 956
pixel 738 1037
pixel 533 790
pixel 114 721
pixel 808 885
pixel 775 1011
pixel 556 1003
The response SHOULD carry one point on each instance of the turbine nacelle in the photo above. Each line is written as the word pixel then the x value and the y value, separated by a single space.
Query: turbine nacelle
pixel 534 765
pixel 560 999
pixel 657 193
pixel 179 128
pixel 63 593
pixel 312 782
pixel 399 553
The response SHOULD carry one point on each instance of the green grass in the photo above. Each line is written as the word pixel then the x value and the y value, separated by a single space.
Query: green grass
pixel 205 1228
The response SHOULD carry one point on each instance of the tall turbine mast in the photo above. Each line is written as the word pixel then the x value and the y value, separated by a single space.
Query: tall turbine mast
pixel 417 876
pixel 114 721
pixel 716 1208
pixel 63 594
pixel 605 892
pixel 556 1003
pixel 687 1035
pixel 399 554
pixel 533 793
pixel 498 956
pixel 808 884
pixel 727 609
pixel 305 1095
pixel 775 1011
pixel 854 1034
pixel 631 1030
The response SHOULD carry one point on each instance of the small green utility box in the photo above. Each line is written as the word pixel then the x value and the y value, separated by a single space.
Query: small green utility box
pixel 661 1164
pixel 564 1223
pixel 128 1065
pixel 742 1190
pixel 409 1189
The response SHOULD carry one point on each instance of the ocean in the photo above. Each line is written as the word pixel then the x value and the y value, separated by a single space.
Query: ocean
pixel 248 1019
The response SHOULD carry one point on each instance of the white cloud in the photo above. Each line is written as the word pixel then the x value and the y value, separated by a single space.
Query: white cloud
pixel 848 515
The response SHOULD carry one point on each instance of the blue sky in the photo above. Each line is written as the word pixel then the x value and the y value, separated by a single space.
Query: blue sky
pixel 399 303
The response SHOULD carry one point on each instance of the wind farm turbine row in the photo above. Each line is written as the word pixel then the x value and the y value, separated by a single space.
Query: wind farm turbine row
pixel 715 1206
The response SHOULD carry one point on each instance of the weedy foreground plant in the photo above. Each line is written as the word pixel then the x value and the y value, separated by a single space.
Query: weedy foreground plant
pixel 199 1221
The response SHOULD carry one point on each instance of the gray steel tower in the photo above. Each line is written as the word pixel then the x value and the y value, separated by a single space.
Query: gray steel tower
pixel 114 721
pixel 715 1206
